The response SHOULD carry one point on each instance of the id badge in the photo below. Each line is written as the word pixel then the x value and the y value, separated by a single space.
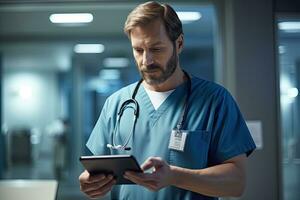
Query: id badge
pixel 177 140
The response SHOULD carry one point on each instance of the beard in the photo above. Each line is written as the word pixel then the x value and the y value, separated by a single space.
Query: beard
pixel 155 74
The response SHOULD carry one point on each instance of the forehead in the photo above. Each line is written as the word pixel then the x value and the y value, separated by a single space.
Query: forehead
pixel 150 34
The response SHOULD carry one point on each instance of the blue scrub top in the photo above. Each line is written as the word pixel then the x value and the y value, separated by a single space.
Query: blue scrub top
pixel 216 133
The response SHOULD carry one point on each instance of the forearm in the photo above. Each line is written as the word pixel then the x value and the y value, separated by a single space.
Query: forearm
pixel 227 179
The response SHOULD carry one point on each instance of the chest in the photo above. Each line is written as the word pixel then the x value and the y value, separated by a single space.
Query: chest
pixel 152 131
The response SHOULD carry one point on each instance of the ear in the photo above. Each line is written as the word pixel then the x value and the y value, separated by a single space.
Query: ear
pixel 179 43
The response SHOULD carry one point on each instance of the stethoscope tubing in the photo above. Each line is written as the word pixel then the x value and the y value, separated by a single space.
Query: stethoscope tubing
pixel 136 109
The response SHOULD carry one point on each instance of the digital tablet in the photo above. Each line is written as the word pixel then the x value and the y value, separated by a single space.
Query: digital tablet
pixel 111 164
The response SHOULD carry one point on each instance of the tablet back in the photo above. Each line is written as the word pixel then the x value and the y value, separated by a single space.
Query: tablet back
pixel 111 164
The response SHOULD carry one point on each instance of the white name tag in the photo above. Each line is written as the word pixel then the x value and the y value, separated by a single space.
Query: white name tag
pixel 177 140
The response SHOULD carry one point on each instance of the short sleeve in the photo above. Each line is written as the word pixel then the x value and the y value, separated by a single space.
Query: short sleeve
pixel 98 139
pixel 231 136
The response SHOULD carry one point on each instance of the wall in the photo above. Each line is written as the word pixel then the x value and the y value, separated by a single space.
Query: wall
pixel 249 72
pixel 30 99
pixel 256 91
pixel 2 144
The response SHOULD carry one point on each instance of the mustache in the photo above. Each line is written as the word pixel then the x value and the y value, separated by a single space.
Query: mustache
pixel 151 68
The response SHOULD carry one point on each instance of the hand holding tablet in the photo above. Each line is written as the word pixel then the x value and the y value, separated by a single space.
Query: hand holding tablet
pixel 115 165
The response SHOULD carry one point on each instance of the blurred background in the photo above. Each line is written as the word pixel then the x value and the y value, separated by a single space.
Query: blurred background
pixel 56 72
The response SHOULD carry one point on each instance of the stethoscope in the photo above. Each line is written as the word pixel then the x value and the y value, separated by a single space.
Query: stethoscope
pixel 133 104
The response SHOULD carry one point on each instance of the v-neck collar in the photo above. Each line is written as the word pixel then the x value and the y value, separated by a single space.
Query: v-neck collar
pixel 153 114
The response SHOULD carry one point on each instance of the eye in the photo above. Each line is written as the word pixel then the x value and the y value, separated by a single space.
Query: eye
pixel 138 50
pixel 156 49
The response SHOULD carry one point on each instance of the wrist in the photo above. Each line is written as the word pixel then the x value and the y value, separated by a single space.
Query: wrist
pixel 174 175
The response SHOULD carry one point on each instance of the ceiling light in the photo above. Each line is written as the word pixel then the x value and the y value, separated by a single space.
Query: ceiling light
pixel 89 48
pixel 73 18
pixel 289 26
pixel 116 62
pixel 189 16
pixel 109 74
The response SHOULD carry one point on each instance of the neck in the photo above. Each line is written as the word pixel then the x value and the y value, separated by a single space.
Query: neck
pixel 177 78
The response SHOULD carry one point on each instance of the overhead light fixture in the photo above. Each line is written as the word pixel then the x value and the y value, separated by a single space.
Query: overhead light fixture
pixel 89 48
pixel 289 26
pixel 71 18
pixel 109 74
pixel 116 62
pixel 189 16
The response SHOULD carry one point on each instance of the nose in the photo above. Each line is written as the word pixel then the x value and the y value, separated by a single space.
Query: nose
pixel 147 58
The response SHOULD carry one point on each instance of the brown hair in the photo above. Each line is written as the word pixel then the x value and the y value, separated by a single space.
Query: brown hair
pixel 147 12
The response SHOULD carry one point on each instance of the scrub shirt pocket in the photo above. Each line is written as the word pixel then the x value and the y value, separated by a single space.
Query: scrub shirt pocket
pixel 195 151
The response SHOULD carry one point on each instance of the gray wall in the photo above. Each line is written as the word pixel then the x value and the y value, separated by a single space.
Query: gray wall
pixel 2 153
pixel 256 91
pixel 249 72
pixel 36 111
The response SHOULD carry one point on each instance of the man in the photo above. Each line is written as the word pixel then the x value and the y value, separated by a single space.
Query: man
pixel 189 132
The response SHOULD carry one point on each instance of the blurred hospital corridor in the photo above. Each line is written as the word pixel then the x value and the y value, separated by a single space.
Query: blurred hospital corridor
pixel 60 61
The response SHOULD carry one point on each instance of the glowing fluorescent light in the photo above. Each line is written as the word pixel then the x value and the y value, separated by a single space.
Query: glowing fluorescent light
pixel 289 26
pixel 109 74
pixel 66 18
pixel 89 48
pixel 292 92
pixel 189 16
pixel 116 62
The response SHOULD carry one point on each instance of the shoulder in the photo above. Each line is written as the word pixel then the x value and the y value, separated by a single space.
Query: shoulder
pixel 208 89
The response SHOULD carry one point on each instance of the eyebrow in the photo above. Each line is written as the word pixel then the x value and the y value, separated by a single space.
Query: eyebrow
pixel 157 43
pixel 154 44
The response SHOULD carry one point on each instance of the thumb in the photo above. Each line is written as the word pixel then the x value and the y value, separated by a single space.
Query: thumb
pixel 156 162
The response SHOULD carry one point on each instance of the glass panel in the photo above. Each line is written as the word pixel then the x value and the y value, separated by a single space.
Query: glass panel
pixel 289 74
